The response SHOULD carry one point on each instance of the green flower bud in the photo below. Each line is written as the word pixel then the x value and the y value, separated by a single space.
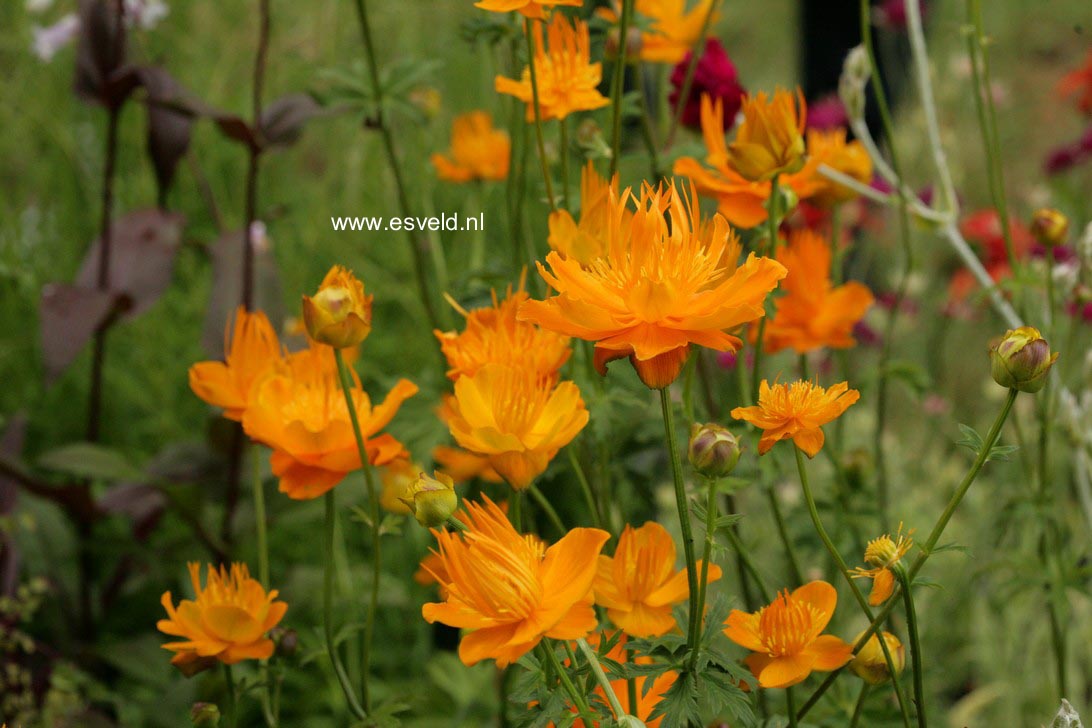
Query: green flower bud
pixel 713 450
pixel 432 500
pixel 1021 360
pixel 205 714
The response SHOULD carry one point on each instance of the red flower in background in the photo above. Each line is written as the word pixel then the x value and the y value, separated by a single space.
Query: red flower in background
pixel 827 113
pixel 983 230
pixel 1078 83
pixel 714 75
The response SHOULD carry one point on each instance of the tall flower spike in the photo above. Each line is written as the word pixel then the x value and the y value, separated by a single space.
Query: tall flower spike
pixel 567 79
pixel 660 288
pixel 639 585
pixel 250 352
pixel 796 411
pixel 509 590
pixel 227 620
pixel 478 151
pixel 786 637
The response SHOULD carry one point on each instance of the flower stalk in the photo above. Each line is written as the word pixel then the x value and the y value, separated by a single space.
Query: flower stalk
pixel 915 645
pixel 537 110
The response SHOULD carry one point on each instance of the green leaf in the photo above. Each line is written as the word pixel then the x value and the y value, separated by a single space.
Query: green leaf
pixel 95 462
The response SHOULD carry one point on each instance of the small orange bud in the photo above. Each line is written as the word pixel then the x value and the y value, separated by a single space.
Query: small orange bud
pixel 1050 227
pixel 339 314
pixel 1021 360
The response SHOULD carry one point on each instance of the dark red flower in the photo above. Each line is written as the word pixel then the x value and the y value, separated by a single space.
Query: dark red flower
pixel 827 113
pixel 714 75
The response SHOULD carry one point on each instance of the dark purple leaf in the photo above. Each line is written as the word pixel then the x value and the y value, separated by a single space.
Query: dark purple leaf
pixel 143 245
pixel 69 315
pixel 233 127
pixel 227 277
pixel 99 50
pixel 283 120
pixel 141 503
pixel 169 129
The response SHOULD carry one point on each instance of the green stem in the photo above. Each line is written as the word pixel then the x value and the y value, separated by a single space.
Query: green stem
pixel 537 111
pixel 263 577
pixel 858 709
pixel 232 697
pixel 548 509
pixel 373 501
pixel 618 83
pixel 601 677
pixel 578 700
pixel 915 646
pixel 585 487
pixel 748 563
pixel 688 81
pixel 795 573
pixel 328 611
pixel 706 556
pixel 648 131
pixel 790 704
pixel 515 510
pixel 684 517
pixel 770 249
pixel 927 547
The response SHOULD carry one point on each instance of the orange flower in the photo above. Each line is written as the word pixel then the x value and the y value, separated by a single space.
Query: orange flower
pixel 883 554
pixel 741 201
pixel 646 701
pixel 463 465
pixel 516 419
pixel 769 141
pixel 339 315
pixel 796 411
pixel 567 79
pixel 785 637
pixel 659 289
pixel 640 584
pixel 527 8
pixel 671 31
pixel 829 147
pixel 603 219
pixel 1078 82
pixel 250 352
pixel 509 590
pixel 227 620
pixel 301 414
pixel 478 151
pixel 495 335
pixel 813 314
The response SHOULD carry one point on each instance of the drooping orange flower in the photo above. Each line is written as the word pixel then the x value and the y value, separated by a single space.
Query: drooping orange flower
pixel 527 8
pixel 883 554
pixel 1078 83
pixel 516 419
pixel 796 411
pixel 478 151
pixel 250 352
pixel 640 584
pixel 301 415
pixel 227 620
pixel 829 147
pixel 786 637
pixel 567 79
pixel 509 590
pixel 339 314
pixel 669 31
pixel 603 219
pixel 741 201
pixel 813 314
pixel 495 335
pixel 646 702
pixel 660 288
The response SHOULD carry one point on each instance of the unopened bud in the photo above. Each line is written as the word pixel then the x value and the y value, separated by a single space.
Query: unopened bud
pixel 870 664
pixel 1021 360
pixel 1050 227
pixel 713 450
pixel 205 714
pixel 432 500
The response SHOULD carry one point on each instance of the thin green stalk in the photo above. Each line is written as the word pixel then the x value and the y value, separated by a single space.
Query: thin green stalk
pixel 817 522
pixel 706 556
pixel 585 487
pixel 578 700
pixel 748 563
pixel 548 509
pixel 648 130
pixel 915 646
pixel 537 111
pixel 858 709
pixel 618 83
pixel 770 249
pixel 601 677
pixel 783 533
pixel 232 697
pixel 515 510
pixel 688 80
pixel 631 689
pixel 263 577
pixel 373 502
pixel 563 153
pixel 684 517
pixel 517 177
pixel 790 704
pixel 927 547
pixel 328 610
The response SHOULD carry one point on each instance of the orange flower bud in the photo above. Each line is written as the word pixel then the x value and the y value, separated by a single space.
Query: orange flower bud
pixel 1021 360
pixel 870 664
pixel 1050 227
pixel 339 314
pixel 770 140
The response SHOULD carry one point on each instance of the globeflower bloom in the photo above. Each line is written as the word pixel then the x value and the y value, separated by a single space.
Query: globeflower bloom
pixel 567 79
pixel 516 419
pixel 227 620
pixel 509 589
pixel 478 151
pixel 740 200
pixel 339 315
pixel 301 414
pixel 1078 83
pixel 250 352
pixel 830 147
pixel 715 76
pixel 814 313
pixel 603 219
pixel 786 637
pixel 770 140
pixel 527 8
pixel 640 584
pixel 883 555
pixel 796 411
pixel 659 289
pixel 670 30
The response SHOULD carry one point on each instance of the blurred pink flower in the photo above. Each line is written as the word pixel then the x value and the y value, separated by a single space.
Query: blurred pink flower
pixel 715 75
pixel 827 113
pixel 48 41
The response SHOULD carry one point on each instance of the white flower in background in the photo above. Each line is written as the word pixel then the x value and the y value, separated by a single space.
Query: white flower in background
pixel 50 39
pixel 145 14
pixel 38 6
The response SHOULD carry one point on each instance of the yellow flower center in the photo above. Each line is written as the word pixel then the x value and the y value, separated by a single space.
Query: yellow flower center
pixel 787 626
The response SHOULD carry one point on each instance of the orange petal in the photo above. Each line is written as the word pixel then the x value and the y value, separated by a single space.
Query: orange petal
pixel 883 584
pixel 830 652
pixel 822 596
